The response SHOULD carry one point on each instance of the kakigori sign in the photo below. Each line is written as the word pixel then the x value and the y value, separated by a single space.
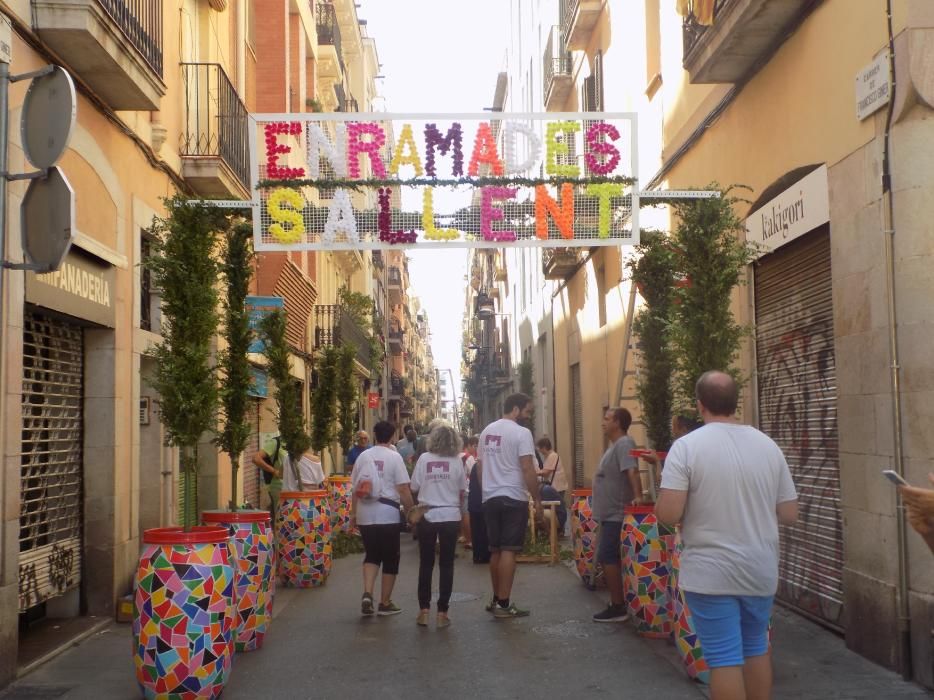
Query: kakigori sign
pixel 340 181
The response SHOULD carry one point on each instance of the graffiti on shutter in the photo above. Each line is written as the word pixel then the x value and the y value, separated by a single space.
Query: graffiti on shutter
pixel 51 485
pixel 797 407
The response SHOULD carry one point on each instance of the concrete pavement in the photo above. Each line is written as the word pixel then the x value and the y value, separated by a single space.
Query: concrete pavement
pixel 320 647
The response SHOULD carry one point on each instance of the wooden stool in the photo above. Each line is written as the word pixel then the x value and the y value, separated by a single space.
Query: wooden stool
pixel 550 511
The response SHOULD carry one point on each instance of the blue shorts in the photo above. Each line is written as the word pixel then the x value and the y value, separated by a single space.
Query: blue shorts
pixel 608 542
pixel 731 628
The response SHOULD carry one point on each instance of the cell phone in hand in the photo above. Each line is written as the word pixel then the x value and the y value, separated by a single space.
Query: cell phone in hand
pixel 894 477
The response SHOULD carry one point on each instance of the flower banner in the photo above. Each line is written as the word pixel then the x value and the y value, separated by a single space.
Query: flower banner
pixel 378 181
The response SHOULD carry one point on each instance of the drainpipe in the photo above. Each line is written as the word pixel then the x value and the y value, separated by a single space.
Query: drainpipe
pixel 888 214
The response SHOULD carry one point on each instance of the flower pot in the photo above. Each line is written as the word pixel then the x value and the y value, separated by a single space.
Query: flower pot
pixel 340 492
pixel 645 580
pixel 584 535
pixel 184 622
pixel 304 538
pixel 683 633
pixel 254 583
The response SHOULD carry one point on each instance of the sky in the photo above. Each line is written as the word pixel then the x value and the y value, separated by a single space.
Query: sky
pixel 438 56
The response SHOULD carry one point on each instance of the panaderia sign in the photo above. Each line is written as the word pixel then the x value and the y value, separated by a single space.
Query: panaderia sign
pixel 346 180
pixel 81 287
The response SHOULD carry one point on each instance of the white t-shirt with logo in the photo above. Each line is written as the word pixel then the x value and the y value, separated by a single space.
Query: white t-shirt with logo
pixel 384 467
pixel 441 483
pixel 735 477
pixel 502 443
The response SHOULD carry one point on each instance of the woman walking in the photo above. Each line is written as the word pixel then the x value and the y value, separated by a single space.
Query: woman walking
pixel 380 482
pixel 441 482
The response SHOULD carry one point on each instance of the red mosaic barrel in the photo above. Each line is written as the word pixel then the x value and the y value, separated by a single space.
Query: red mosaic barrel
pixel 683 633
pixel 340 493
pixel 185 619
pixel 584 534
pixel 646 571
pixel 255 581
pixel 304 538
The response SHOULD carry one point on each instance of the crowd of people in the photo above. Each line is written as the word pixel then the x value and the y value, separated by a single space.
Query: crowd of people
pixel 727 485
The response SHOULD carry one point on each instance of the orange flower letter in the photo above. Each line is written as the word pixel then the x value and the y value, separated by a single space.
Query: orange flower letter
pixel 563 214
pixel 484 151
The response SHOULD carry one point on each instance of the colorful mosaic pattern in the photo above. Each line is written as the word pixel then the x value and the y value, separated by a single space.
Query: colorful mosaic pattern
pixel 685 638
pixel 254 564
pixel 340 491
pixel 584 534
pixel 646 572
pixel 183 629
pixel 304 538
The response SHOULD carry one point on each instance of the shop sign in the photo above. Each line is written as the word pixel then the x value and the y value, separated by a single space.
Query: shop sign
pixel 259 384
pixel 872 87
pixel 258 308
pixel 81 288
pixel 801 208
pixel 372 399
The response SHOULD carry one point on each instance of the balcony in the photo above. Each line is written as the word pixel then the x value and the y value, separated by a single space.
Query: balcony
pixel 395 285
pixel 742 34
pixel 215 150
pixel 115 46
pixel 330 56
pixel 396 386
pixel 580 18
pixel 395 338
pixel 556 71
pixel 334 327
pixel 559 263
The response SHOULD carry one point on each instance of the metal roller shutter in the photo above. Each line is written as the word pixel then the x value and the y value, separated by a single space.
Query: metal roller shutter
pixel 187 511
pixel 798 409
pixel 578 425
pixel 251 476
pixel 51 493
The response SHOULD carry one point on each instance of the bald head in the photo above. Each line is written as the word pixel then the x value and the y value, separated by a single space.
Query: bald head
pixel 717 392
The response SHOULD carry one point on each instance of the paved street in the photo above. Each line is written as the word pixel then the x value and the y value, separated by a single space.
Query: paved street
pixel 319 647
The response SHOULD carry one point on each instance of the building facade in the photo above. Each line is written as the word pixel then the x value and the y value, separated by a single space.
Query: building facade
pixel 793 100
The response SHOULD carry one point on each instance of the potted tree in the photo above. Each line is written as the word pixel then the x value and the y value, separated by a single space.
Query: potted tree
pixel 251 530
pixel 184 621
pixel 304 520
pixel 347 399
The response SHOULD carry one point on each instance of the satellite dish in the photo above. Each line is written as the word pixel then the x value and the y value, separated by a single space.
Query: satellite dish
pixel 48 220
pixel 48 117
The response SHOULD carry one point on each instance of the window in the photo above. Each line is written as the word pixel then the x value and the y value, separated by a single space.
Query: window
pixel 251 23
pixel 601 293
pixel 145 284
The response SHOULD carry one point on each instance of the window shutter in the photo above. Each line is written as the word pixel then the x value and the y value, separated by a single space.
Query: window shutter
pixel 597 104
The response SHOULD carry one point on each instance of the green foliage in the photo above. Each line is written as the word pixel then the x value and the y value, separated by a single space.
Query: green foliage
pixel 323 400
pixel 712 256
pixel 346 395
pixel 184 268
pixel 288 393
pixel 343 544
pixel 653 272
pixel 361 309
pixel 237 271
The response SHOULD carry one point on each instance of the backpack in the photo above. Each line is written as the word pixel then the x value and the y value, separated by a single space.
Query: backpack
pixel 267 476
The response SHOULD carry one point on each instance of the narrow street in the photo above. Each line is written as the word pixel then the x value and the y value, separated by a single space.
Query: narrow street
pixel 320 647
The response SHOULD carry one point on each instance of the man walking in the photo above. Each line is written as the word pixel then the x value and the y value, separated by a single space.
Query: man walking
pixel 506 471
pixel 729 486
pixel 615 486
pixel 362 443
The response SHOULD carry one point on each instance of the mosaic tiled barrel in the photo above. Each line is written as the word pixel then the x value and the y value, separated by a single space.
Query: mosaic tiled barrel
pixel 340 492
pixel 646 571
pixel 304 538
pixel 683 634
pixel 584 534
pixel 185 621
pixel 255 582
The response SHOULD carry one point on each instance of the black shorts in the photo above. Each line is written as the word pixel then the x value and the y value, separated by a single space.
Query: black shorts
pixel 506 522
pixel 381 544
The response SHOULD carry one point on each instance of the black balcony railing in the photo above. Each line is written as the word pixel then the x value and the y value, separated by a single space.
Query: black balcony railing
pixel 396 384
pixel 329 32
pixel 341 95
pixel 567 12
pixel 556 61
pixel 335 327
pixel 216 121
pixel 691 31
pixel 395 277
pixel 351 105
pixel 141 22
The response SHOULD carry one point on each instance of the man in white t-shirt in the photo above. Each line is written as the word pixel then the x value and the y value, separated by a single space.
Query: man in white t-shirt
pixel 380 481
pixel 506 467
pixel 730 488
